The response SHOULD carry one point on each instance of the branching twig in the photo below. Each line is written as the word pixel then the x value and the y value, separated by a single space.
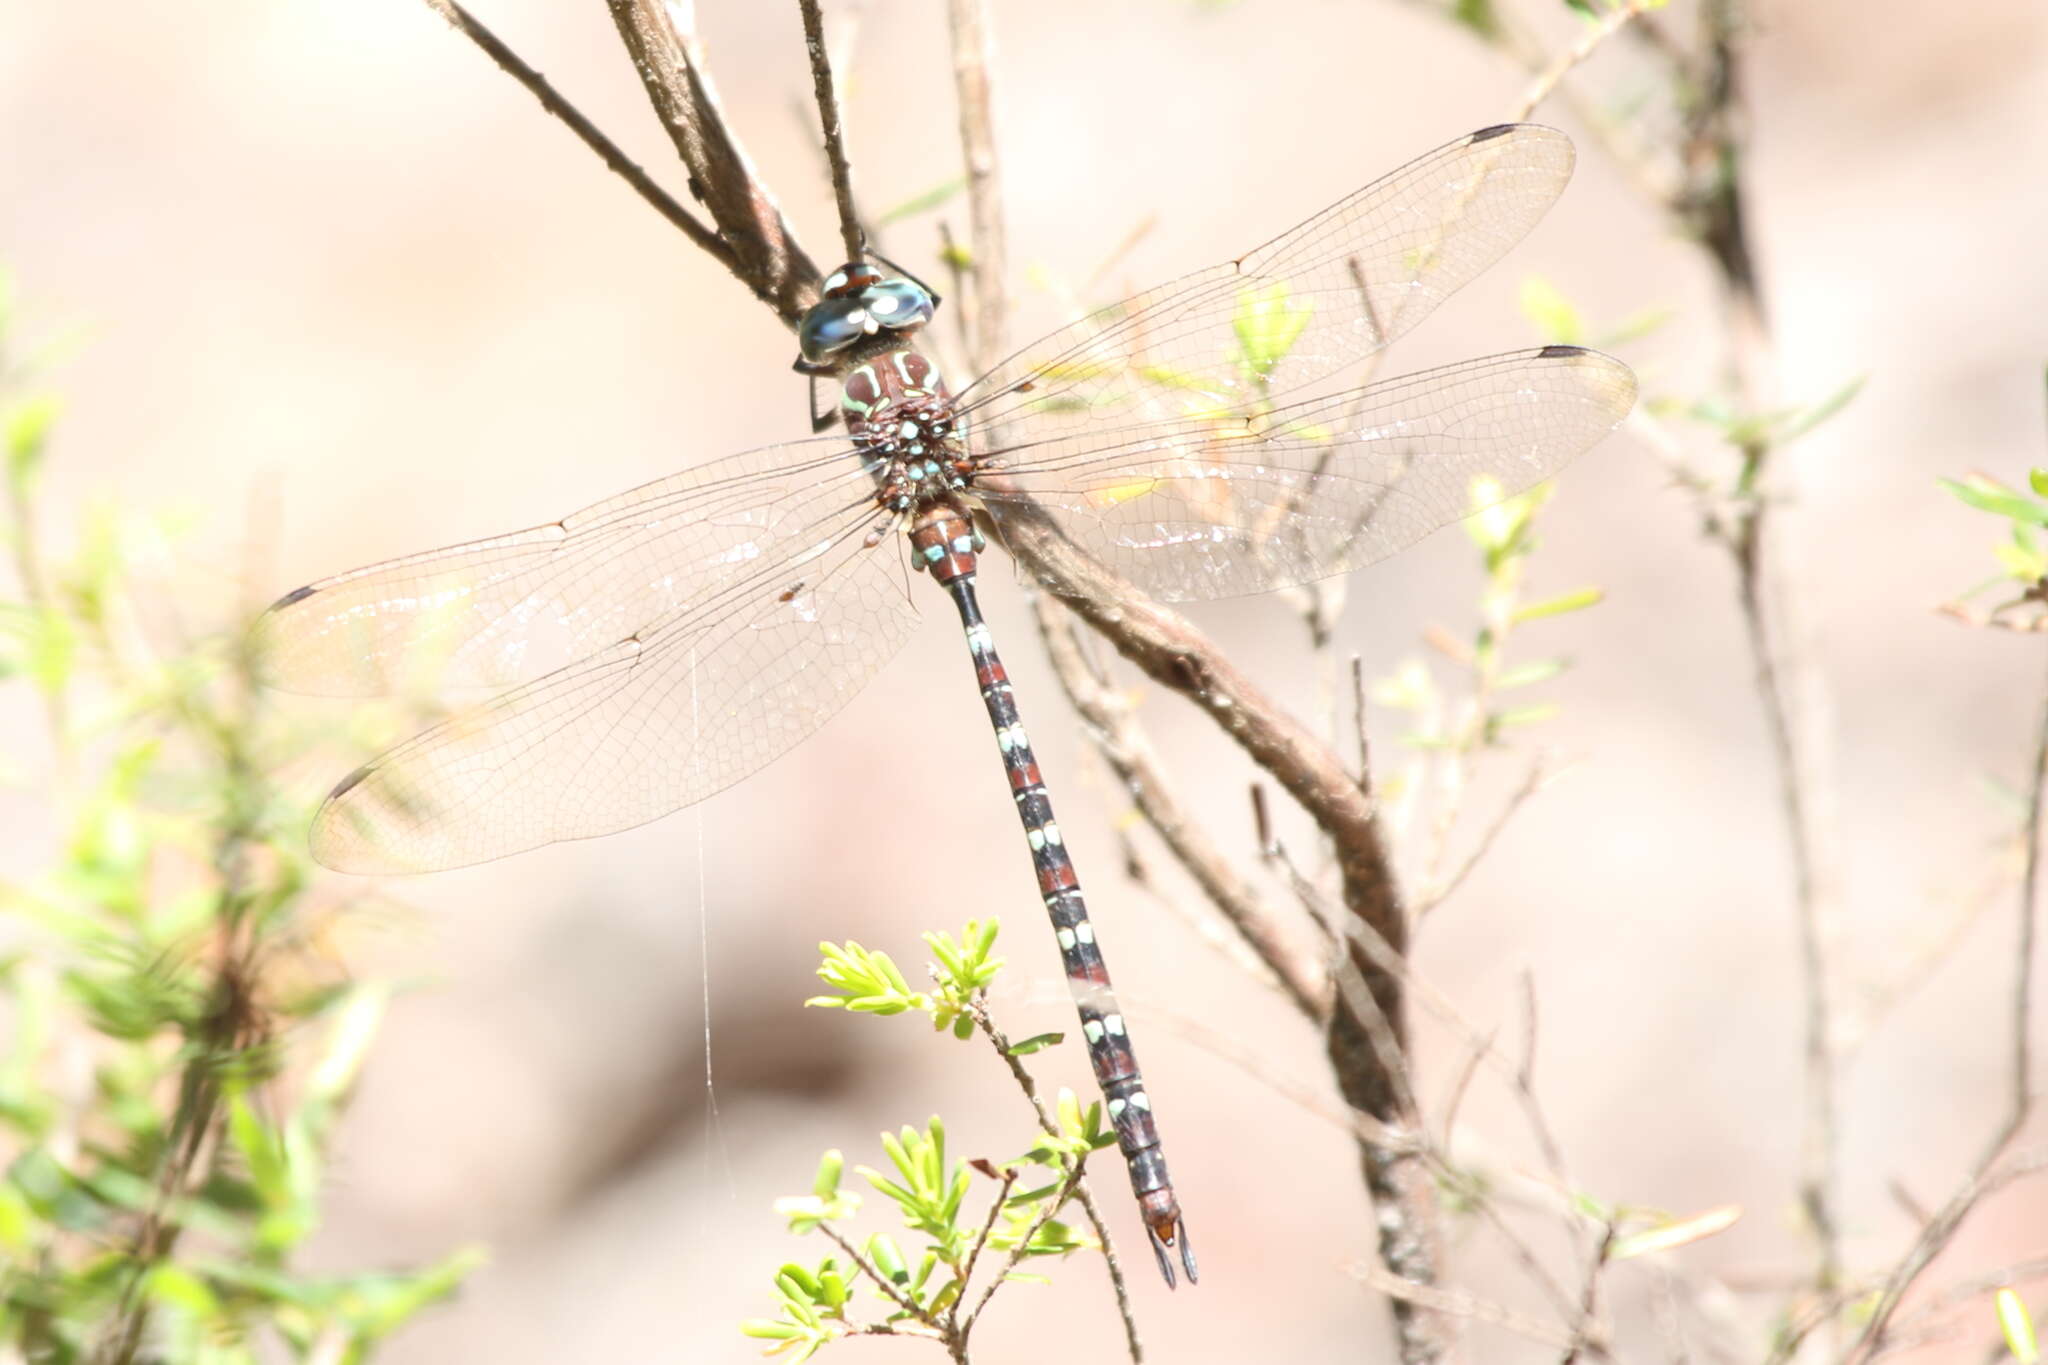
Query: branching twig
pixel 1532 782
pixel 1079 1187
pixel 1983 1175
pixel 1603 28
pixel 765 251
pixel 1124 747
pixel 463 22
pixel 1586 1334
pixel 1455 1304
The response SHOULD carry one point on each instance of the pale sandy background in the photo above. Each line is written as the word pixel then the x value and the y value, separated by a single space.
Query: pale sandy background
pixel 327 250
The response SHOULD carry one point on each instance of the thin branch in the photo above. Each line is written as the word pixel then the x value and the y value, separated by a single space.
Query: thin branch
pixel 973 49
pixel 1585 1331
pixel 1170 651
pixel 1532 782
pixel 850 234
pixel 463 22
pixel 1547 80
pixel 1124 747
pixel 887 1285
pixel 1018 1252
pixel 666 58
pixel 1456 1304
pixel 1944 1225
pixel 2023 948
pixel 1008 1177
pixel 1029 1086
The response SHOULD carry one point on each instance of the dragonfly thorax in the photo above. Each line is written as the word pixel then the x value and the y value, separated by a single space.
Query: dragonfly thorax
pixel 897 410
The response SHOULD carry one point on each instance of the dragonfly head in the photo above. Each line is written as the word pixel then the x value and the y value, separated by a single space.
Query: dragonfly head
pixel 857 305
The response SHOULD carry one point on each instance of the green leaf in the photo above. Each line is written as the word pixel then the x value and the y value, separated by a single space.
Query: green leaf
pixel 2023 563
pixel 17 1223
pixel 1800 423
pixel 1038 1042
pixel 1577 600
pixel 806 1211
pixel 25 432
pixel 887 1257
pixel 348 1043
pixel 175 1287
pixel 1477 15
pixel 1268 323
pixel 1409 689
pixel 869 982
pixel 1668 1234
pixel 1542 670
pixel 1988 495
pixel 830 1167
pixel 2016 1324
pixel 1552 314
pixel 1634 328
pixel 923 203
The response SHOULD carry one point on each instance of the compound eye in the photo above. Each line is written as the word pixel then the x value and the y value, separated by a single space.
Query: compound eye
pixel 832 325
pixel 898 305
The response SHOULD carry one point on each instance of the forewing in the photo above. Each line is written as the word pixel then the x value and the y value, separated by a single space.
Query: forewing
pixel 1330 291
pixel 650 723
pixel 515 607
pixel 1223 506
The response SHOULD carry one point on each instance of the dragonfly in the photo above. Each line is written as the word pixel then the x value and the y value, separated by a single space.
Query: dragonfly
pixel 1199 440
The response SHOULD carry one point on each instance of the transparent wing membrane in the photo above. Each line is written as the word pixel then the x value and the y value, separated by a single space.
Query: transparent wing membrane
pixel 1329 292
pixel 1229 504
pixel 660 645
pixel 510 608
pixel 732 638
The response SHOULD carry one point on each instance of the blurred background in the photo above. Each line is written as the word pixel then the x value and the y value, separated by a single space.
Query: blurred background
pixel 346 290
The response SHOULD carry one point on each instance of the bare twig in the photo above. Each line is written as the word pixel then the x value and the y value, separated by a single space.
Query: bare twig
pixel 1017 1252
pixel 1983 1175
pixel 973 46
pixel 1532 782
pixel 1586 1332
pixel 1171 652
pixel 1603 28
pixel 1454 1304
pixel 850 234
pixel 1124 746
pixel 1008 1179
pixel 888 1286
pixel 764 249
pixel 1078 1187
pixel 463 22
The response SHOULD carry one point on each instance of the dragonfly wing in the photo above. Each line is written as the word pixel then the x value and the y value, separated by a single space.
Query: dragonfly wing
pixel 500 611
pixel 655 721
pixel 1328 292
pixel 1224 506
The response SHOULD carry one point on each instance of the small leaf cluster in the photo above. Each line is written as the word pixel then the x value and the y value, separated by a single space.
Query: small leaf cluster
pixel 2021 551
pixel 1503 530
pixel 177 1044
pixel 921 1292
pixel 923 1289
pixel 869 982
